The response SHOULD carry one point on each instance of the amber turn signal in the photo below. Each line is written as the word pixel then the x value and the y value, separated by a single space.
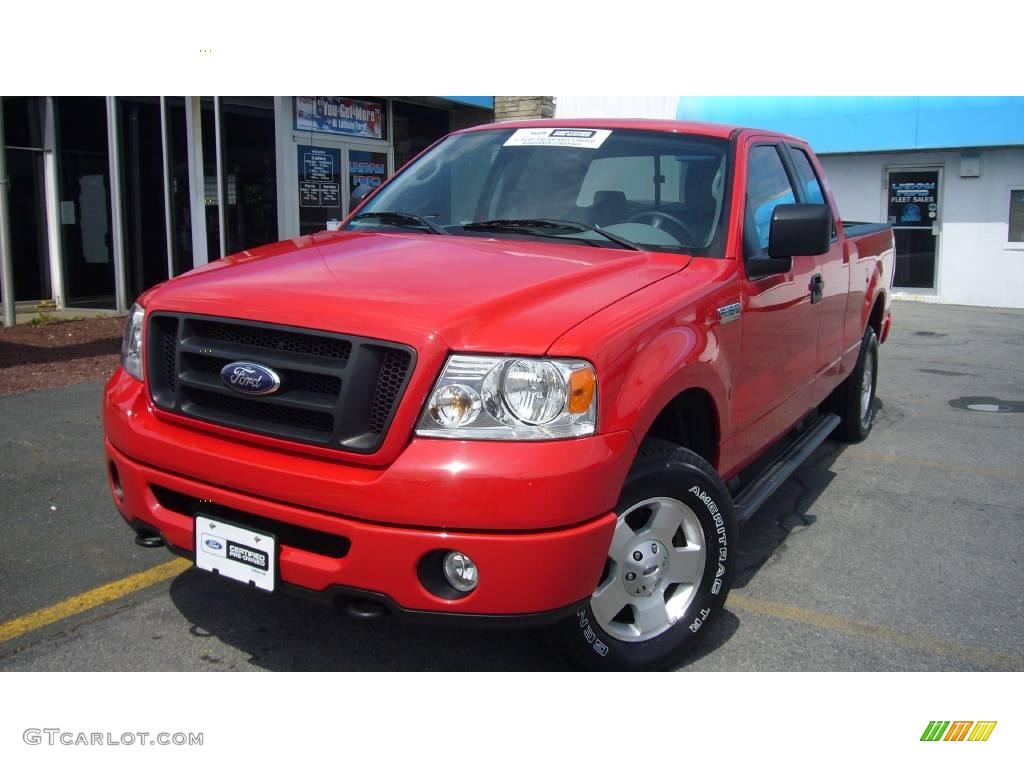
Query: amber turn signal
pixel 582 384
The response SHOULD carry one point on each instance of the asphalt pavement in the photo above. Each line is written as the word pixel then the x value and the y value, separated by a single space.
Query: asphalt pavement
pixel 900 553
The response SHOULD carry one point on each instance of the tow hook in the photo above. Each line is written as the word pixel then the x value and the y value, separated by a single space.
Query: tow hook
pixel 149 539
pixel 365 609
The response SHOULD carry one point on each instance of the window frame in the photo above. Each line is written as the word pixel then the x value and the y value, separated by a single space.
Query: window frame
pixel 1008 244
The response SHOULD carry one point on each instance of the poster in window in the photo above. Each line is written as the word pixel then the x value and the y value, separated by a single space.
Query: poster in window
pixel 913 198
pixel 339 116
pixel 366 170
pixel 319 182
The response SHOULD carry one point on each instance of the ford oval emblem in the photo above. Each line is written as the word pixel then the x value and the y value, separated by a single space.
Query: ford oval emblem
pixel 250 378
pixel 213 544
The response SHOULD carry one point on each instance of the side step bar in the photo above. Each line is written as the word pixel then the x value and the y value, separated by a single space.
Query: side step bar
pixel 760 490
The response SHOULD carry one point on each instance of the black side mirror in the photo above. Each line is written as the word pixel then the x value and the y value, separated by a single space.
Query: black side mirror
pixel 799 230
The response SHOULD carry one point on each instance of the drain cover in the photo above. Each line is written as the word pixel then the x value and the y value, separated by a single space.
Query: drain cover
pixel 988 404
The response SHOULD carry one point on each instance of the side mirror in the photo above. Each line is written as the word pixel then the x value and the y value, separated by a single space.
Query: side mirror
pixel 799 230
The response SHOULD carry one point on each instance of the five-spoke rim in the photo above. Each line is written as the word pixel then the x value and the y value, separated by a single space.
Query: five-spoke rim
pixel 655 565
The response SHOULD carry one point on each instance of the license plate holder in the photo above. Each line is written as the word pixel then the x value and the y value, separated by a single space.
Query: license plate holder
pixel 236 552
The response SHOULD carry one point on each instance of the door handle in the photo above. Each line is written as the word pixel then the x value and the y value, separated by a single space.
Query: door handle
pixel 817 288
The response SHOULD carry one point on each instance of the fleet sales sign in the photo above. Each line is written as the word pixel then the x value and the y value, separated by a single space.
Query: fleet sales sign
pixel 913 198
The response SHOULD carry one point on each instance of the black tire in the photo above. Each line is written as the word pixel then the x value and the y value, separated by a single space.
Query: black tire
pixel 662 470
pixel 856 421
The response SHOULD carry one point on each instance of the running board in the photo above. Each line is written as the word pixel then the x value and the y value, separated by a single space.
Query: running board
pixel 760 490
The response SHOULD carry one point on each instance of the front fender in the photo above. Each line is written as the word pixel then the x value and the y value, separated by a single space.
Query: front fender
pixel 654 344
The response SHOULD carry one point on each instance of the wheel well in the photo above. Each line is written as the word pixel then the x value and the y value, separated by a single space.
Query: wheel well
pixel 690 420
pixel 875 319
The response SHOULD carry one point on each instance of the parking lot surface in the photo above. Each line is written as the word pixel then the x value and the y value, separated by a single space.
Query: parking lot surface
pixel 900 553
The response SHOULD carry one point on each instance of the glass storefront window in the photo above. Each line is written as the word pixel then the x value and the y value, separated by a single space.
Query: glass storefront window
pixel 142 194
pixel 251 169
pixel 29 241
pixel 24 121
pixel 84 201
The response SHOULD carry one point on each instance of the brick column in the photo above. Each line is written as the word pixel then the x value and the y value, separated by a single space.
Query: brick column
pixel 523 107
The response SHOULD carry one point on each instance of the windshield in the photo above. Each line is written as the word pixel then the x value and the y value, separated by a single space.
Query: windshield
pixel 659 191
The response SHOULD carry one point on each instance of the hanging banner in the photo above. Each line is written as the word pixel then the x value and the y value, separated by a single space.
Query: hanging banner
pixel 913 198
pixel 339 116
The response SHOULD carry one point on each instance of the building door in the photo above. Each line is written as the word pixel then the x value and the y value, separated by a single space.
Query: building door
pixel 914 212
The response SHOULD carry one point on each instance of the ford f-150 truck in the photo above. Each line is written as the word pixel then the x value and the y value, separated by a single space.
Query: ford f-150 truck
pixel 538 377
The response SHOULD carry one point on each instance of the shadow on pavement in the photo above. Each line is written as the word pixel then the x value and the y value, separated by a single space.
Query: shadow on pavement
pixel 786 513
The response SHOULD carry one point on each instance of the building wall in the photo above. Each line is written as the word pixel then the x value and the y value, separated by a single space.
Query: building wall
pixel 523 107
pixel 976 265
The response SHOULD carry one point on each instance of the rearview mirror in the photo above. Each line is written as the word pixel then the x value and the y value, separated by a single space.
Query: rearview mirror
pixel 359 194
pixel 799 230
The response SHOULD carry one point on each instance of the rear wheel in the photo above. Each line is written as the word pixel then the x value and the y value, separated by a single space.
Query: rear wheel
pixel 668 569
pixel 855 397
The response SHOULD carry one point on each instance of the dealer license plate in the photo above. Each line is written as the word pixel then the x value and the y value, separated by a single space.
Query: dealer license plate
pixel 239 553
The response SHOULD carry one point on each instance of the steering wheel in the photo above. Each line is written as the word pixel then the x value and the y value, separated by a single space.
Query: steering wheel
pixel 658 216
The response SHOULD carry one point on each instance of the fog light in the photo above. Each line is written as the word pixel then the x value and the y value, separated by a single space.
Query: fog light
pixel 460 571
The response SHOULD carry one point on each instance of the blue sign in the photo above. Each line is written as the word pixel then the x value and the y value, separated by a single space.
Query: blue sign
pixel 870 123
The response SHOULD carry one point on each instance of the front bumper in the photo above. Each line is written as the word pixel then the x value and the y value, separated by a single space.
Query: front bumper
pixel 536 518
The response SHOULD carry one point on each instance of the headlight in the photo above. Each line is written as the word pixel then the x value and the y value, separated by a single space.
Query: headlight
pixel 511 398
pixel 131 344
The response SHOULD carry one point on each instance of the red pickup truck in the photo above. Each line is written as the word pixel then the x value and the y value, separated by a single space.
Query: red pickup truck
pixel 539 377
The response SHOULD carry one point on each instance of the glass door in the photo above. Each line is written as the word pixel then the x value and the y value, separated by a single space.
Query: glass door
pixel 914 213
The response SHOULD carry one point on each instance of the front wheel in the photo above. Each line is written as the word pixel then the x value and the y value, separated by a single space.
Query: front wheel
pixel 668 570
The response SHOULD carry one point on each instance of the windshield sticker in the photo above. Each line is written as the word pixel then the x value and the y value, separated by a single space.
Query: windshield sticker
pixel 590 138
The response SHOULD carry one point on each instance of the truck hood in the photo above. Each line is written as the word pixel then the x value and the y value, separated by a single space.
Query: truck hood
pixel 466 293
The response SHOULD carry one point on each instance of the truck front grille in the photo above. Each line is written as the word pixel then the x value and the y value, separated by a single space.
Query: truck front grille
pixel 336 390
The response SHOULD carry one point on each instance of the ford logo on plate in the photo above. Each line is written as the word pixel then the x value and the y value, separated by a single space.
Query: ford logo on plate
pixel 250 378
pixel 213 544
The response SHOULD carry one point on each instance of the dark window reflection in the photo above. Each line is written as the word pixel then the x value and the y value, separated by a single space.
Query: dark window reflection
pixel 84 201
pixel 915 258
pixel 142 194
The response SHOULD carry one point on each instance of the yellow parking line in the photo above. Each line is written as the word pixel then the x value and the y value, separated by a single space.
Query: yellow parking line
pixel 862 629
pixel 91 599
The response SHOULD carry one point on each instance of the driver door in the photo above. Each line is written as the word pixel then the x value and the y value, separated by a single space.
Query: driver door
pixel 779 353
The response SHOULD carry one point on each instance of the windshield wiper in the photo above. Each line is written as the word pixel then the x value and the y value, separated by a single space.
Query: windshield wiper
pixel 400 218
pixel 531 225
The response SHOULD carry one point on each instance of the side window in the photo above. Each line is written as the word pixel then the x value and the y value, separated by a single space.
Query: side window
pixel 809 184
pixel 768 185
pixel 808 180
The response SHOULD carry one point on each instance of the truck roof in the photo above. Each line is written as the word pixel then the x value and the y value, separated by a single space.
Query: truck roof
pixel 714 130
